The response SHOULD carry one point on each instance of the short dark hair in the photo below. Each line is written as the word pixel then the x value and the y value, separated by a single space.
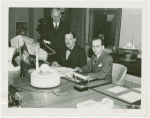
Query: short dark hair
pixel 70 32
pixel 99 38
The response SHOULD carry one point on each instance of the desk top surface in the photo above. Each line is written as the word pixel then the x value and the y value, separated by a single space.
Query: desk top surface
pixel 62 96
pixel 104 89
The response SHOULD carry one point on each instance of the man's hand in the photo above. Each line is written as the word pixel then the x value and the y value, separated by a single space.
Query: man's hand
pixel 55 64
pixel 47 42
pixel 89 77
pixel 77 69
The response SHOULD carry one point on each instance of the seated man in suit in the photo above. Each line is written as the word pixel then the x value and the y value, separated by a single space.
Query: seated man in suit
pixel 100 66
pixel 72 55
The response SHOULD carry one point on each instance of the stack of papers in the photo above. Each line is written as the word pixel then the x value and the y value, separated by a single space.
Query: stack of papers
pixel 104 104
pixel 138 89
pixel 131 96
pixel 117 89
pixel 64 71
pixel 87 104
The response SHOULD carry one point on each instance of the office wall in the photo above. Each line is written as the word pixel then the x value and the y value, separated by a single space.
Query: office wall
pixel 30 15
pixel 131 24
pixel 87 23
pixel 38 13
pixel 31 22
pixel 110 17
pixel 16 14
pixel 34 15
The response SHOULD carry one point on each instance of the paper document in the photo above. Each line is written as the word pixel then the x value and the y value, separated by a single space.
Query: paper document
pixel 131 96
pixel 138 89
pixel 64 71
pixel 117 89
pixel 87 104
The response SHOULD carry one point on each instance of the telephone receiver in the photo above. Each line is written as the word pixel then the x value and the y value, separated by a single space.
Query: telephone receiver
pixel 18 41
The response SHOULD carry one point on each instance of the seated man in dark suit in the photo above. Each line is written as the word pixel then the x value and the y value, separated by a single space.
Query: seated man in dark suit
pixel 72 55
pixel 100 66
pixel 54 33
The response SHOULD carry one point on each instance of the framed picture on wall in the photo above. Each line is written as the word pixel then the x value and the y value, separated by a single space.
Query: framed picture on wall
pixel 21 28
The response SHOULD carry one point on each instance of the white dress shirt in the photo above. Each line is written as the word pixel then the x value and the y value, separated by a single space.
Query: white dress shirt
pixel 68 53
pixel 55 24
pixel 99 55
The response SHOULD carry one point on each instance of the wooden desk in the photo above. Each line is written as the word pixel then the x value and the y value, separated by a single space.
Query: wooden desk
pixel 133 67
pixel 66 96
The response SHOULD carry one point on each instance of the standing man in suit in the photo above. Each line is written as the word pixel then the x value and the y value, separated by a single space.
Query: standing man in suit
pixel 72 55
pixel 100 66
pixel 54 33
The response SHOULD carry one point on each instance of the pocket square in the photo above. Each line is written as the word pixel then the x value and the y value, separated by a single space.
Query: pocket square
pixel 100 65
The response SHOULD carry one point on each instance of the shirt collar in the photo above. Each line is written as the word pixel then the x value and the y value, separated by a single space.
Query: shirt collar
pixel 72 48
pixel 55 24
pixel 99 54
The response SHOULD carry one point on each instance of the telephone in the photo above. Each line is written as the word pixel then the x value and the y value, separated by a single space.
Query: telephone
pixel 19 41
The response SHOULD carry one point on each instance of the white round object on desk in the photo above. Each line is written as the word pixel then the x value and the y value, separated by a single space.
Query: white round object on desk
pixel 45 80
pixel 44 68
pixel 30 70
pixel 133 47
pixel 129 45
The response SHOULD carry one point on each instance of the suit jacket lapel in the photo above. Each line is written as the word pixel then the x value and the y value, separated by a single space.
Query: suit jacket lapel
pixel 99 60
pixel 59 27
pixel 72 53
pixel 52 26
pixel 63 55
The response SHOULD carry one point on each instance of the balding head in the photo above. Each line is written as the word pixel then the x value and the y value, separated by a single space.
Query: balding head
pixel 56 15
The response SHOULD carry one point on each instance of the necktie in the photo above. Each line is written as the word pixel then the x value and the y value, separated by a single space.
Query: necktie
pixel 95 59
pixel 68 53
pixel 56 26
pixel 69 50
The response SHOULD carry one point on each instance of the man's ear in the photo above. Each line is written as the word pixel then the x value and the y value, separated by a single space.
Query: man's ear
pixel 51 16
pixel 74 39
pixel 103 47
pixel 60 16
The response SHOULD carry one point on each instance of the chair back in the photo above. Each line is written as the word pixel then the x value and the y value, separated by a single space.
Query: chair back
pixel 132 81
pixel 118 73
pixel 88 59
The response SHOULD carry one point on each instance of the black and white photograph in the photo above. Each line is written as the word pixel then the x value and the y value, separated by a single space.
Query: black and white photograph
pixel 21 28
pixel 81 60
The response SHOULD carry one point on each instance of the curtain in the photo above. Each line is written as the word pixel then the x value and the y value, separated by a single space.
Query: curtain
pixel 77 19
pixel 118 28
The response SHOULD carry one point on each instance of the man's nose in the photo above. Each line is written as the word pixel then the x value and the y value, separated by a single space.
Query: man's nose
pixel 94 48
